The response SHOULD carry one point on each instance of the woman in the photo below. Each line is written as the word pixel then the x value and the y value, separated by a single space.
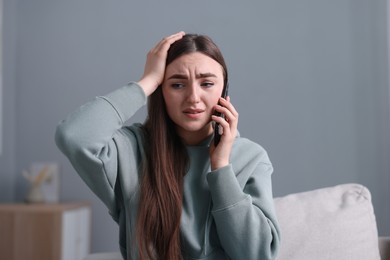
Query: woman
pixel 174 194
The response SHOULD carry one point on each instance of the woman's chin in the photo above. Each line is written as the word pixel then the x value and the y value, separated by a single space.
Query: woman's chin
pixel 202 130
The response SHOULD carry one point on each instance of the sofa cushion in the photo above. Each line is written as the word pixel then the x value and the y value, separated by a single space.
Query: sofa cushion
pixel 330 223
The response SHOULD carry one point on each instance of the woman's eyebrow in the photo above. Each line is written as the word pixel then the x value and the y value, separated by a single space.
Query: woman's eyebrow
pixel 178 76
pixel 205 75
pixel 198 76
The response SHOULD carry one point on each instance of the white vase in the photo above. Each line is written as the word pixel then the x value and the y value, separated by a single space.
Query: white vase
pixel 35 194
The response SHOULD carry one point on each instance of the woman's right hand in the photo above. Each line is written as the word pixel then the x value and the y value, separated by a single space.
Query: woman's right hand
pixel 155 64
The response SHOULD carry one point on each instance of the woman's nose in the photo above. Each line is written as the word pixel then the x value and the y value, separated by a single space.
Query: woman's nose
pixel 193 94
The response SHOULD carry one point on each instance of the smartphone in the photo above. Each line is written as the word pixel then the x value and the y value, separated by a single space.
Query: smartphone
pixel 218 130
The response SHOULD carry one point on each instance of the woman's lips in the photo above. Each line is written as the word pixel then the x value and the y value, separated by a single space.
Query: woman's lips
pixel 193 113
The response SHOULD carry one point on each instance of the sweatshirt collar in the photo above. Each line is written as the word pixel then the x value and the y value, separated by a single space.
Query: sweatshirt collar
pixel 207 141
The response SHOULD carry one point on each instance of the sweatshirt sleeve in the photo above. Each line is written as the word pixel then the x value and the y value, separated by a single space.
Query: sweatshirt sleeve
pixel 86 137
pixel 243 211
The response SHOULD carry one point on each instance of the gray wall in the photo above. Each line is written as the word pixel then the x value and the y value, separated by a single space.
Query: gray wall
pixel 8 103
pixel 309 78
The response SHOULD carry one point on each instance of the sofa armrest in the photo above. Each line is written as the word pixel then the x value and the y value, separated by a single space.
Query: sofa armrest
pixel 330 223
pixel 384 247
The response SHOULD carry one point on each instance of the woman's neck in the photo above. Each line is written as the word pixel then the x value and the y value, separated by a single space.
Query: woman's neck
pixel 194 138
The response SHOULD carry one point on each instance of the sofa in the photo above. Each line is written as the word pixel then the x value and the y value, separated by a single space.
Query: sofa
pixel 335 223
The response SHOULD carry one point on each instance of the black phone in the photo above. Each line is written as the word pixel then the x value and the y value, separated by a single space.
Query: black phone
pixel 218 128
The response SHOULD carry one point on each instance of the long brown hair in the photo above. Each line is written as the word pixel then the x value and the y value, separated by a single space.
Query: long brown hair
pixel 160 203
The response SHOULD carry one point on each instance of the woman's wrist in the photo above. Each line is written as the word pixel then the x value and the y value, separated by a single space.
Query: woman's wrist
pixel 148 86
pixel 217 165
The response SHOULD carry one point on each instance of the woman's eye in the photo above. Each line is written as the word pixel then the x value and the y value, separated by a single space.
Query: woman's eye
pixel 177 85
pixel 207 84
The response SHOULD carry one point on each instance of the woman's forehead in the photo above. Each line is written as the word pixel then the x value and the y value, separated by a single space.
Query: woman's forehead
pixel 196 62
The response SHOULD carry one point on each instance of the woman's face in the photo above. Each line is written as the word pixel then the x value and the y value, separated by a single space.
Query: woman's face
pixel 192 86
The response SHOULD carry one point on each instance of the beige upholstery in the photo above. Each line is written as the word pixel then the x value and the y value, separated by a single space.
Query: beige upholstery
pixel 330 223
pixel 335 223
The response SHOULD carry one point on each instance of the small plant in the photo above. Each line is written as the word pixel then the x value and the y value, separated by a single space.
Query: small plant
pixel 35 194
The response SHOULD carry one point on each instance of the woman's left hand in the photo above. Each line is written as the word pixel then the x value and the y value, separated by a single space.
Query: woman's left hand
pixel 220 154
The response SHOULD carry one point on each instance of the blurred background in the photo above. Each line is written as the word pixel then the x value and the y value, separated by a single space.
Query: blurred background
pixel 310 80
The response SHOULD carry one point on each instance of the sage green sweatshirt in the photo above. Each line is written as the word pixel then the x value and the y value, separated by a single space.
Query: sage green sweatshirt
pixel 227 213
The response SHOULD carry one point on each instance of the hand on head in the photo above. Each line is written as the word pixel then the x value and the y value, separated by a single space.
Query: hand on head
pixel 156 63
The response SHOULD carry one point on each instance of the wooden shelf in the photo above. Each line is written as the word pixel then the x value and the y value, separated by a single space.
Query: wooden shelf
pixel 45 231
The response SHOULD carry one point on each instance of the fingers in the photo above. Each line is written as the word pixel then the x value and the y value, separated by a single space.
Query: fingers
pixel 231 114
pixel 230 122
pixel 164 45
pixel 155 63
pixel 220 154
